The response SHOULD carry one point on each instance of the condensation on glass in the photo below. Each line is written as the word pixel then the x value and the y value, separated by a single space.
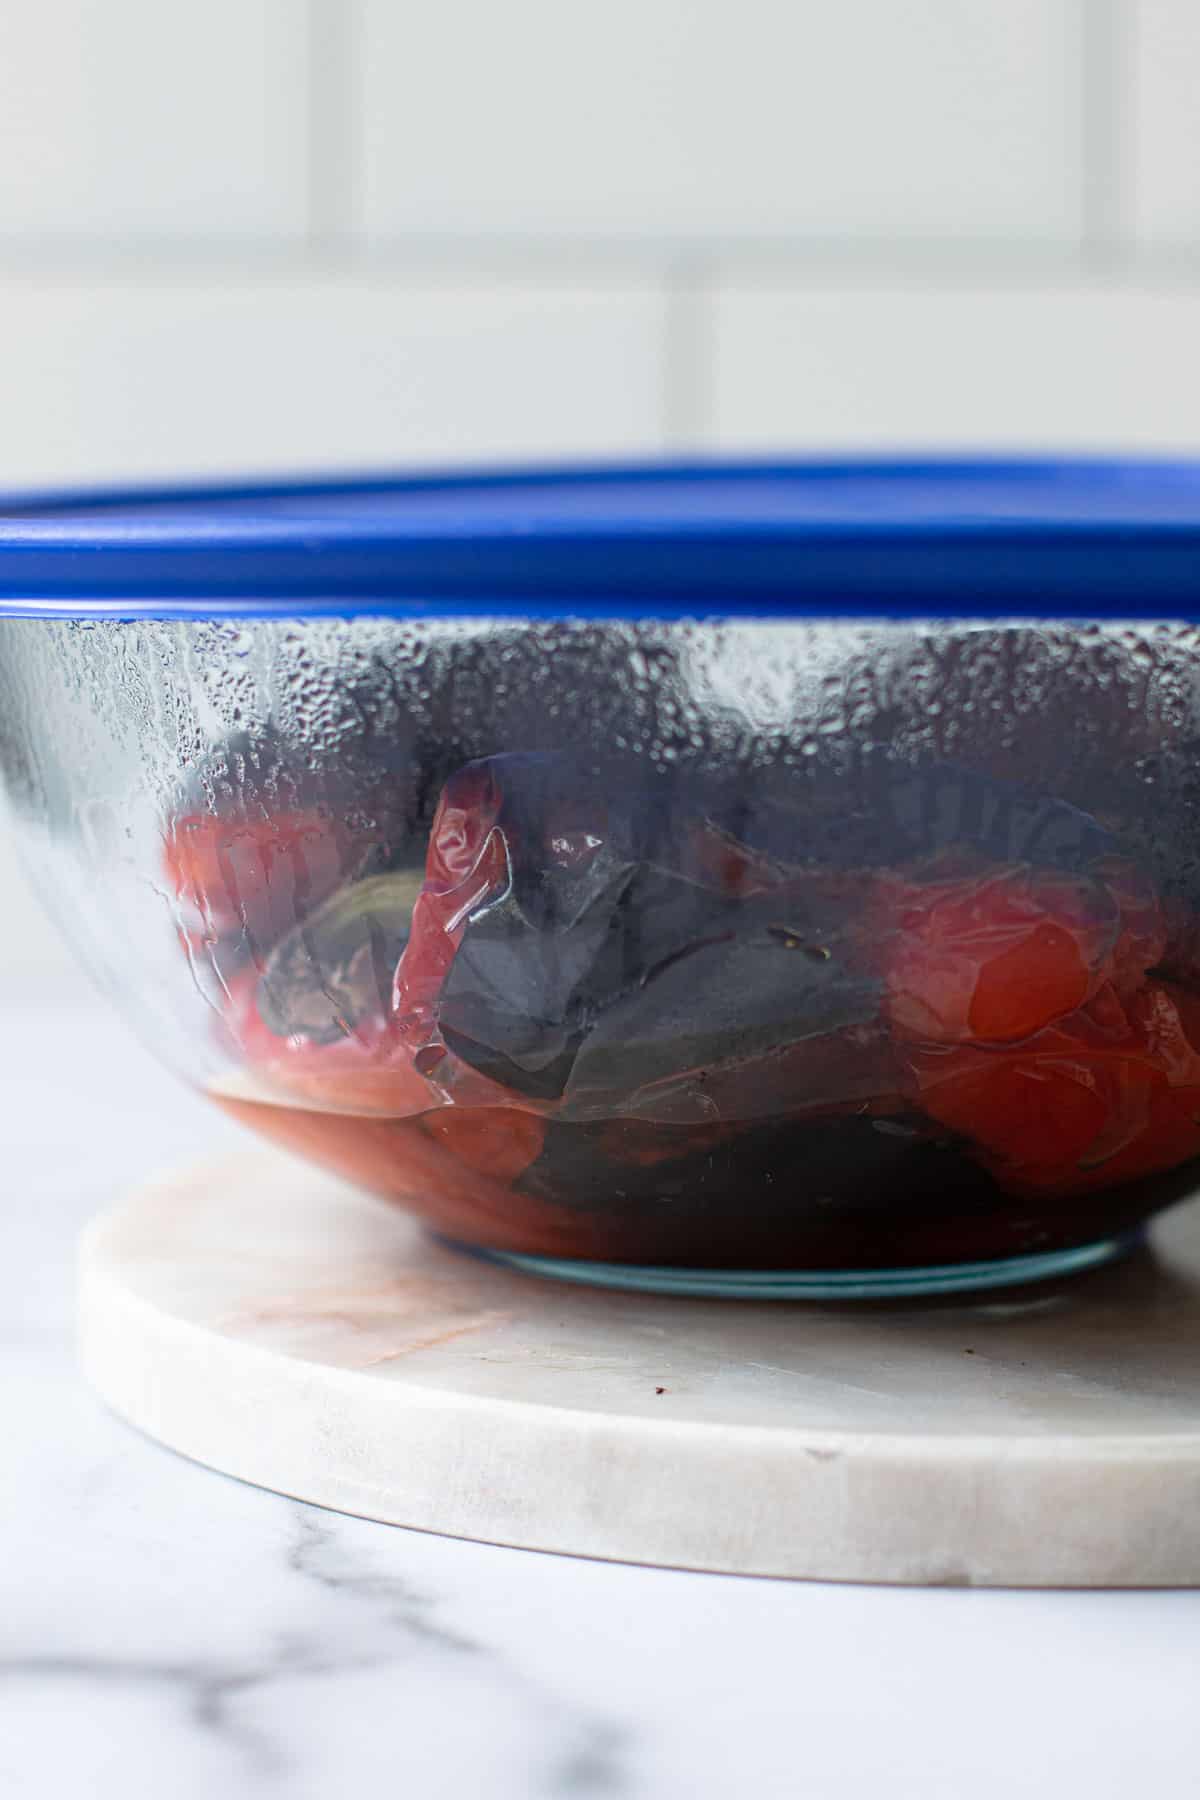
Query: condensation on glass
pixel 808 946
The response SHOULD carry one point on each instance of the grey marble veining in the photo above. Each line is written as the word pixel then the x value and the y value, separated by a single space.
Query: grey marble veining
pixel 239 1664
pixel 168 1632
pixel 586 1752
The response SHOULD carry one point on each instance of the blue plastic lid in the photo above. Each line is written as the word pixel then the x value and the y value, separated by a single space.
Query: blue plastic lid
pixel 1070 538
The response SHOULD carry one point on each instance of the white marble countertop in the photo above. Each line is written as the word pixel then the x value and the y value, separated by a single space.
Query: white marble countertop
pixel 166 1631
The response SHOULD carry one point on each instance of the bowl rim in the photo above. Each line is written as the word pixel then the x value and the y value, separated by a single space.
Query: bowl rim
pixel 905 537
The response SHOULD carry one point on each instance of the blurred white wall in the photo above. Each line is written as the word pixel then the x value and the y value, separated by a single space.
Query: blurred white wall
pixel 310 233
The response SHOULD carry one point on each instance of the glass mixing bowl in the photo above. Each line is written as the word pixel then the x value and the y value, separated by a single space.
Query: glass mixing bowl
pixel 728 879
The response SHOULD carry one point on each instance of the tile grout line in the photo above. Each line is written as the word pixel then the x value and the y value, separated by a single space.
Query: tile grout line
pixel 333 39
pixel 886 263
pixel 1102 243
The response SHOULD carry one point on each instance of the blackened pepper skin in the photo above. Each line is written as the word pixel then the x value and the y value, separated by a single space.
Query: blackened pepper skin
pixel 640 937
pixel 620 950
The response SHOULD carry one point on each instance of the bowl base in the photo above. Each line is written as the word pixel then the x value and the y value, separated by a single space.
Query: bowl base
pixel 821 1284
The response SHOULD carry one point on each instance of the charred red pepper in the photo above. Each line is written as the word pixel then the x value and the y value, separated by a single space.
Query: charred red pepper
pixel 585 978
pixel 255 877
pixel 1106 1095
pixel 993 955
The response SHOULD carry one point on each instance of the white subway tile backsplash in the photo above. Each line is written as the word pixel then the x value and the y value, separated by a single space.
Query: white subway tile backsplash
pixel 1159 121
pixel 141 117
pixel 871 134
pixel 701 118
pixel 160 376
pixel 1084 365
